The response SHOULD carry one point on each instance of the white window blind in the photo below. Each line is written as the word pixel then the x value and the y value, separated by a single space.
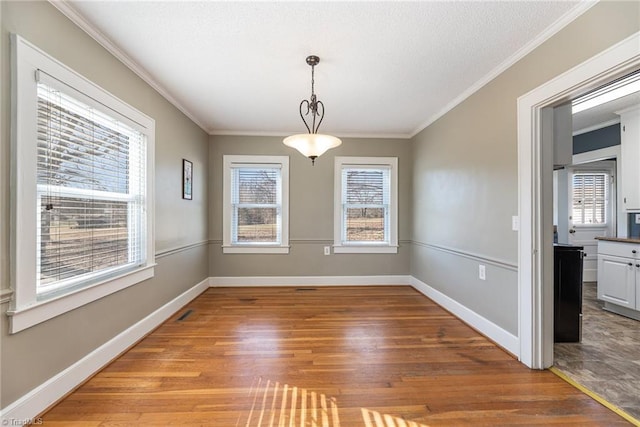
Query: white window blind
pixel 366 193
pixel 256 204
pixel 589 198
pixel 91 191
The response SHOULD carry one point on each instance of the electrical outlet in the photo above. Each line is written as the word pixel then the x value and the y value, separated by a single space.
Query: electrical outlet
pixel 482 272
pixel 515 223
pixel 637 218
pixel 327 250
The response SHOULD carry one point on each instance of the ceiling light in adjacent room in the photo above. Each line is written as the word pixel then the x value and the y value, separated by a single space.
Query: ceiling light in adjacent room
pixel 618 89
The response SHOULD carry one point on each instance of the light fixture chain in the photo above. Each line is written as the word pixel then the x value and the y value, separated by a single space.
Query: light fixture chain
pixel 313 81
pixel 314 104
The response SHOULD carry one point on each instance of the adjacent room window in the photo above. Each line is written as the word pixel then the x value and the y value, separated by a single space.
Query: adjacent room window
pixel 366 205
pixel 256 204
pixel 589 198
pixel 82 219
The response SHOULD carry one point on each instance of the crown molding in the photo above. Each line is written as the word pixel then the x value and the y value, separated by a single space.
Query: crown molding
pixel 285 134
pixel 549 32
pixel 67 10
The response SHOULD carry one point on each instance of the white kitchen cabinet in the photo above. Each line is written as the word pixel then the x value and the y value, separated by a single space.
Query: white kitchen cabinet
pixel 617 280
pixel 630 157
pixel 619 276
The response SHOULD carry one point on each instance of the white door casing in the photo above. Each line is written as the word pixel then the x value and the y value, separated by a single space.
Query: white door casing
pixel 535 194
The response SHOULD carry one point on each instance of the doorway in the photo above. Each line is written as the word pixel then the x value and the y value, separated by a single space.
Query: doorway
pixel 535 170
pixel 536 162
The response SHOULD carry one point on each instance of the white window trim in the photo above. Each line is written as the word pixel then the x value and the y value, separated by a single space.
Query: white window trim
pixel 607 197
pixel 254 248
pixel 26 310
pixel 365 248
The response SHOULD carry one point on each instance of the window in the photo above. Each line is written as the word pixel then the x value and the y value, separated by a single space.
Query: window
pixel 589 198
pixel 366 205
pixel 83 196
pixel 256 204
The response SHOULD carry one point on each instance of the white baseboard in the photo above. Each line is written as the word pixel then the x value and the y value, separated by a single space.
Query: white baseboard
pixel 494 332
pixel 46 394
pixel 309 281
pixel 590 275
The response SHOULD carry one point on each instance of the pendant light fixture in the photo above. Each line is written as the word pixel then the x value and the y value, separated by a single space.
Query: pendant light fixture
pixel 312 144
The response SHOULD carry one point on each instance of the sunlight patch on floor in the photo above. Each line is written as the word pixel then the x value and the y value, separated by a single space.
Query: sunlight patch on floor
pixel 281 405
pixel 376 419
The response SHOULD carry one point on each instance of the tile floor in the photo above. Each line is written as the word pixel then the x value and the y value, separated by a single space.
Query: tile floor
pixel 607 361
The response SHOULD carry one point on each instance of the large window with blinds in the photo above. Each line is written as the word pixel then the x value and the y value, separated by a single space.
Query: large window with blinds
pixel 255 218
pixel 83 199
pixel 91 190
pixel 365 208
pixel 590 198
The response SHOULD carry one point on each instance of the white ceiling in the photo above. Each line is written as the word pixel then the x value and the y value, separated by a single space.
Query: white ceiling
pixel 603 114
pixel 386 69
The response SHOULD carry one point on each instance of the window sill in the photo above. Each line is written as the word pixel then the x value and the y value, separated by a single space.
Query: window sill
pixel 364 249
pixel 255 249
pixel 25 317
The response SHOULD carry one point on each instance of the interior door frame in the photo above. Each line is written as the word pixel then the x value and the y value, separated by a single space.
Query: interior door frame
pixel 535 193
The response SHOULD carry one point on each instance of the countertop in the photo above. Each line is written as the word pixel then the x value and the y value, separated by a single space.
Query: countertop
pixel 619 239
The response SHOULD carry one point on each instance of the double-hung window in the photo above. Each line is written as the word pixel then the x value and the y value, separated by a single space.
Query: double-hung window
pixel 83 193
pixel 366 205
pixel 590 198
pixel 256 194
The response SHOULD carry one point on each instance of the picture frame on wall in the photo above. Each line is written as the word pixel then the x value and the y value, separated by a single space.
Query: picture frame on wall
pixel 187 179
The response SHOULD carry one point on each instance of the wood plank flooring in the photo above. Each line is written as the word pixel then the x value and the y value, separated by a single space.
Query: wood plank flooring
pixel 607 360
pixel 325 357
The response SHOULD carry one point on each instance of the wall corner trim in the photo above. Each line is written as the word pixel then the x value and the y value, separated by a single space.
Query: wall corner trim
pixel 55 388
pixel 503 338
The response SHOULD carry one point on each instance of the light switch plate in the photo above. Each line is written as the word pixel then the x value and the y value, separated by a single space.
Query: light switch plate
pixel 515 223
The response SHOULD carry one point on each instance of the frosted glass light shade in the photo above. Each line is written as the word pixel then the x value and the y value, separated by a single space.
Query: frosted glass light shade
pixel 312 144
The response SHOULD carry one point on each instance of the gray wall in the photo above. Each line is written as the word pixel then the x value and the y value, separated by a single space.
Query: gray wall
pixel 465 173
pixel 310 211
pixel 32 356
pixel 597 139
pixel 458 182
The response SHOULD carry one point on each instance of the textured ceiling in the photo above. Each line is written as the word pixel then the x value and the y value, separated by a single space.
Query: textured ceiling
pixel 387 68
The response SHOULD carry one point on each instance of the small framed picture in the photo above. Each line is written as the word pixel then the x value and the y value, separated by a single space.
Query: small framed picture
pixel 187 179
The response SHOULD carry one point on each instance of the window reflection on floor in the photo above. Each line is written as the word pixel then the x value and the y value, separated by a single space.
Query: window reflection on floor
pixel 376 419
pixel 274 405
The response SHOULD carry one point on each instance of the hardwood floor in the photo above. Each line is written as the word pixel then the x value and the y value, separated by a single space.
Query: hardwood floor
pixel 331 356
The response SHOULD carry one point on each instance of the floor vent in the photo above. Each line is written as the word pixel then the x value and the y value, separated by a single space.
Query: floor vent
pixel 306 289
pixel 184 316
